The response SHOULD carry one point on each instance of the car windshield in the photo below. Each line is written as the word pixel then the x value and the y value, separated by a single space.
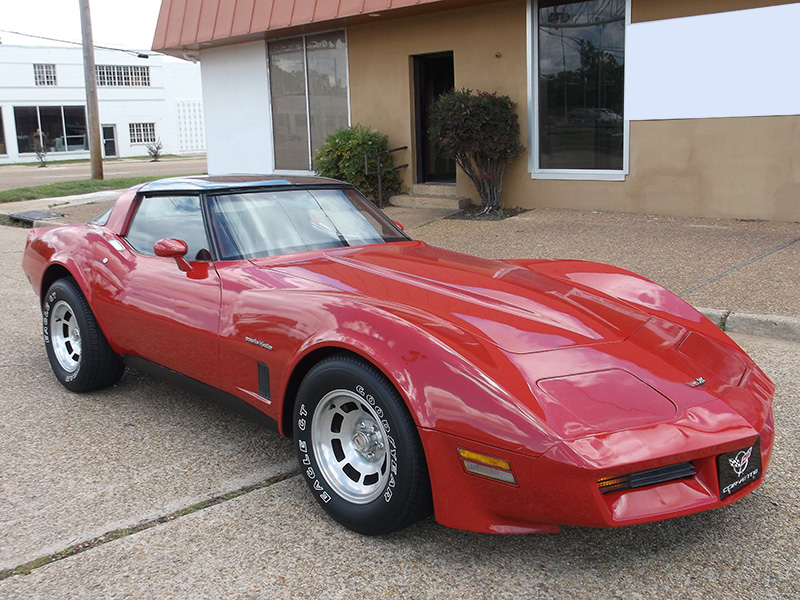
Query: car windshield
pixel 266 223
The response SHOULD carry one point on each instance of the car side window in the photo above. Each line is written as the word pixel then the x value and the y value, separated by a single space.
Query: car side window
pixel 179 217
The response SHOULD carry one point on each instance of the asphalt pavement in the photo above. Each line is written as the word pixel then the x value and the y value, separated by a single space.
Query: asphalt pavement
pixel 26 175
pixel 144 491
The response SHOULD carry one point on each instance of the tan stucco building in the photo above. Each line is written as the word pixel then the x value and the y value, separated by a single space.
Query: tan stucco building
pixel 680 107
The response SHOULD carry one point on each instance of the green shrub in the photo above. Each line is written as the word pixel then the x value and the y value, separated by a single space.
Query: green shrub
pixel 481 132
pixel 342 157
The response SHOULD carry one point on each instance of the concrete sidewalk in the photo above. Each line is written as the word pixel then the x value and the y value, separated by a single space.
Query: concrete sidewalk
pixel 744 275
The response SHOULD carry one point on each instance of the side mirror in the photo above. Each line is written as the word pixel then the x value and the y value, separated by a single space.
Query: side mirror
pixel 172 248
pixel 399 225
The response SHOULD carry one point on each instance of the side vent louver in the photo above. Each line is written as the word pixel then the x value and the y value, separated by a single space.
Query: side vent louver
pixel 263 381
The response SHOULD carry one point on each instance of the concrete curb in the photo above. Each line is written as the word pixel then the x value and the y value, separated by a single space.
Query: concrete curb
pixel 774 326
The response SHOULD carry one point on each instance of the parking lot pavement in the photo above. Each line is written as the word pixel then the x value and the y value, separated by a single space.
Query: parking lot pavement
pixel 76 467
pixel 276 543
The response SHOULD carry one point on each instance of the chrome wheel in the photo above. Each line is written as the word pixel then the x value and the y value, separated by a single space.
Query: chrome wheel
pixel 66 336
pixel 350 446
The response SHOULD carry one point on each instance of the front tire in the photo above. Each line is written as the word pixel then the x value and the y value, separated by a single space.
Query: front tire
pixel 77 350
pixel 358 447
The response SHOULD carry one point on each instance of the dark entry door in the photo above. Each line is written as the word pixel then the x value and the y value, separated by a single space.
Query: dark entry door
pixel 109 140
pixel 433 76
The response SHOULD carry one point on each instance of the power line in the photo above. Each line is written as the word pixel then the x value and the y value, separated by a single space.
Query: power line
pixel 49 39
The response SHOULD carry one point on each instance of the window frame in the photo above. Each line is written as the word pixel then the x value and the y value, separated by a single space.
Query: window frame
pixel 534 169
pixel 44 75
pixel 139 130
pixel 122 75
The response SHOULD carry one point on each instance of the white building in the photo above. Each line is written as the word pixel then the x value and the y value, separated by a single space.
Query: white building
pixel 141 101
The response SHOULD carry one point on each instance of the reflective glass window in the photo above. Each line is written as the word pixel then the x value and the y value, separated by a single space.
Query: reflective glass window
pixel 308 84
pixel 580 70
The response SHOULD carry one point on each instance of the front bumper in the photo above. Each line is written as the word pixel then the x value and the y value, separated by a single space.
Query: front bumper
pixel 561 486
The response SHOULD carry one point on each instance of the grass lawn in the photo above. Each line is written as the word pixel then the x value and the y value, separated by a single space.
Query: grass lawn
pixel 70 188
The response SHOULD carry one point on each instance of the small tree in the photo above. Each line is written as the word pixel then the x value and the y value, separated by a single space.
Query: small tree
pixel 481 132
pixel 154 150
pixel 41 151
pixel 342 157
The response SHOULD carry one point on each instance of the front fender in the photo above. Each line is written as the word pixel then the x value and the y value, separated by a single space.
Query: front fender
pixel 452 382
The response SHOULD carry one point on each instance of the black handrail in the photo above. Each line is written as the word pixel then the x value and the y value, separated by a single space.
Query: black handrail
pixel 380 171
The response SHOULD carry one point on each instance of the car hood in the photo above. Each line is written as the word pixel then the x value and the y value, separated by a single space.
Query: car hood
pixel 513 307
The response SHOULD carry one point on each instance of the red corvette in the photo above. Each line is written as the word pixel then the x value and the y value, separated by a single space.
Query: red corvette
pixel 509 396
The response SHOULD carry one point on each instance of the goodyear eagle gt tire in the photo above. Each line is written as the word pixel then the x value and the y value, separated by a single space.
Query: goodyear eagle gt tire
pixel 77 350
pixel 358 447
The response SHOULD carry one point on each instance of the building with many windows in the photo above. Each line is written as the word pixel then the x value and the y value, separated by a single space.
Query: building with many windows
pixel 671 107
pixel 140 100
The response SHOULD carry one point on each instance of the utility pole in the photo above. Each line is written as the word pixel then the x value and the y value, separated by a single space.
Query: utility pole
pixel 93 113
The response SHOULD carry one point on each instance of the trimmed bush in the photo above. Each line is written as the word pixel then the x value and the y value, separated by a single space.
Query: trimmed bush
pixel 342 157
pixel 481 132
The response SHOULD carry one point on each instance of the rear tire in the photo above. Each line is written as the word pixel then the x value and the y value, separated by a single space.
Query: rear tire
pixel 77 350
pixel 358 447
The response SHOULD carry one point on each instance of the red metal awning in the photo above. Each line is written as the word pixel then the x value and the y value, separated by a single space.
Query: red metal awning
pixel 187 23
pixel 191 24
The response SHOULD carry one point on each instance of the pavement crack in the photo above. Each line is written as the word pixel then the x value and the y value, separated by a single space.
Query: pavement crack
pixel 80 547
pixel 741 266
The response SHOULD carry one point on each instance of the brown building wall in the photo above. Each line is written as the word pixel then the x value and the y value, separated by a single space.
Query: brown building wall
pixel 727 167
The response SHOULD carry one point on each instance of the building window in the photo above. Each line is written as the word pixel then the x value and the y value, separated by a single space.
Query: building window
pixel 54 128
pixel 578 96
pixel 308 85
pixel 2 134
pixel 122 76
pixel 44 74
pixel 143 133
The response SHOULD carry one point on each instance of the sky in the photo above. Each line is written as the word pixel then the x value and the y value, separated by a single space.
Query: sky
pixel 128 24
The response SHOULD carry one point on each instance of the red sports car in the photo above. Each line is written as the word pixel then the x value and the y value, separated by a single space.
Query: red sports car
pixel 510 396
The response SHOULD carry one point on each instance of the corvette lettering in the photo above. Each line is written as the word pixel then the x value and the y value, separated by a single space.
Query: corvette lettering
pixel 752 476
pixel 258 343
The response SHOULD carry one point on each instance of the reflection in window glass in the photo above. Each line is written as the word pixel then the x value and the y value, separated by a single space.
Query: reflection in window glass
pixel 27 122
pixel 162 217
pixel 75 128
pixel 54 128
pixel 581 86
pixel 51 126
pixel 327 85
pixel 288 86
pixel 275 223
pixel 308 83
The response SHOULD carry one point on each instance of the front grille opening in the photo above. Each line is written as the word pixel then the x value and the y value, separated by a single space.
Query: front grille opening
pixel 646 478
